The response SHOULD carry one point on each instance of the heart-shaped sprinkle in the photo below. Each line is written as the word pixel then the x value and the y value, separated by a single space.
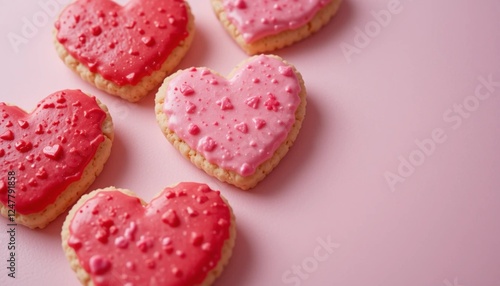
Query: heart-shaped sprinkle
pixel 184 236
pixel 53 152
pixel 49 148
pixel 122 43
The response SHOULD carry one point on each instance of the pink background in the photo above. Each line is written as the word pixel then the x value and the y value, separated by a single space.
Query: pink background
pixel 365 112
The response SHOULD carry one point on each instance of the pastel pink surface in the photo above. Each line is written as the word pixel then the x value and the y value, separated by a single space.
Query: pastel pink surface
pixel 440 225
pixel 236 123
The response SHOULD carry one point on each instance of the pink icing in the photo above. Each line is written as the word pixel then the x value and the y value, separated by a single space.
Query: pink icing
pixel 258 19
pixel 238 123
pixel 174 241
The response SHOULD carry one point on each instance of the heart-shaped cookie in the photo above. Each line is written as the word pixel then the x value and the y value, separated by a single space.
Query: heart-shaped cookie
pixel 50 156
pixel 235 129
pixel 262 26
pixel 184 236
pixel 124 50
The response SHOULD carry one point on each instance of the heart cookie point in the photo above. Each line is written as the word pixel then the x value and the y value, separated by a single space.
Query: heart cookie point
pixel 176 239
pixel 238 124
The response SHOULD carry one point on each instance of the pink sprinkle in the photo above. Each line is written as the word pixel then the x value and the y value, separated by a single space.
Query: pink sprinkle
pixel 186 89
pixel 99 265
pixel 41 174
pixel 272 103
pixel 148 41
pixel 74 243
pixel 23 146
pixel 202 199
pixel 207 144
pixel 176 271
pixel 223 222
pixel 131 76
pixel 285 70
pixel 259 123
pixel 246 169
pixel 224 103
pixel 193 129
pixel 196 238
pixel 191 212
pixel 121 242
pixel 240 4
pixel 204 189
pixel 206 246
pixel 130 231
pixel 23 124
pixel 170 217
pixel 7 135
pixel 242 127
pixel 253 102
pixel 190 108
pixel 96 30
pixel 53 152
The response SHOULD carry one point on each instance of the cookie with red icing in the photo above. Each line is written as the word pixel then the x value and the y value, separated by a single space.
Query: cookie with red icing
pixel 184 236
pixel 124 50
pixel 260 26
pixel 49 157
pixel 236 129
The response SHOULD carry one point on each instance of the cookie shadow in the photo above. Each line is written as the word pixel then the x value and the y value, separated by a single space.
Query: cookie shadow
pixel 198 51
pixel 195 55
pixel 240 263
pixel 288 172
pixel 114 168
pixel 326 36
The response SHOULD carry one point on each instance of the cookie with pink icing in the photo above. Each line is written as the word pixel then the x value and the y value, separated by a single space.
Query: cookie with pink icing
pixel 238 128
pixel 263 25
pixel 184 236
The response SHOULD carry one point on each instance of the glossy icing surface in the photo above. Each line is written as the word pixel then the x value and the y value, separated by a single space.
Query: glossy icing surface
pixel 238 123
pixel 122 43
pixel 173 241
pixel 258 19
pixel 49 148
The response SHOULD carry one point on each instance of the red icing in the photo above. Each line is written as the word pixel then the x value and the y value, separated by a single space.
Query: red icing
pixel 47 151
pixel 173 241
pixel 122 43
